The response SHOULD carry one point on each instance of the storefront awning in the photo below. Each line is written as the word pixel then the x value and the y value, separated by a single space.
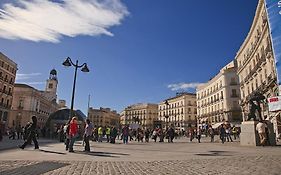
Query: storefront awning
pixel 216 125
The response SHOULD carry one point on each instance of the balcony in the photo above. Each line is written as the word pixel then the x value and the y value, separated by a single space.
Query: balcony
pixel 268 51
pixel 234 96
pixel 233 83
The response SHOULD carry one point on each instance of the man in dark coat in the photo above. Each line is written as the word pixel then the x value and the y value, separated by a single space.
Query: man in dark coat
pixel 31 134
pixel 171 134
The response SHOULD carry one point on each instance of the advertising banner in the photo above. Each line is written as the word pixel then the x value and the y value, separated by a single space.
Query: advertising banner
pixel 273 8
pixel 274 103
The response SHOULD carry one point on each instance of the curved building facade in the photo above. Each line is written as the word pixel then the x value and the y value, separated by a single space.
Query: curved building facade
pixel 256 65
pixel 218 99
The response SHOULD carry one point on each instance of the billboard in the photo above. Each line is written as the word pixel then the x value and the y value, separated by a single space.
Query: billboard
pixel 273 8
pixel 274 103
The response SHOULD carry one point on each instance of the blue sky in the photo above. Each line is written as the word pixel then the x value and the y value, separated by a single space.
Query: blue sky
pixel 135 49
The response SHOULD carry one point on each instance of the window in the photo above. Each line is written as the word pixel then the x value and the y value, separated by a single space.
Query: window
pixel 232 81
pixel 50 86
pixel 21 103
pixel 234 93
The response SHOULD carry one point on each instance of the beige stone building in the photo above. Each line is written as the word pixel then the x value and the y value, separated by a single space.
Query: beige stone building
pixel 8 69
pixel 104 117
pixel 144 114
pixel 256 65
pixel 29 101
pixel 123 118
pixel 179 111
pixel 218 99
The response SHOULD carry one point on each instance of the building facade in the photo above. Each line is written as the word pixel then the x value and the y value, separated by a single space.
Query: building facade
pixel 256 65
pixel 122 118
pixel 29 101
pixel 8 70
pixel 104 117
pixel 144 114
pixel 218 99
pixel 179 111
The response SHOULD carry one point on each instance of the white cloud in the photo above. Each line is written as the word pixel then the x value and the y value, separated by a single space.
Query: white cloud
pixel 26 76
pixel 183 86
pixel 32 83
pixel 46 20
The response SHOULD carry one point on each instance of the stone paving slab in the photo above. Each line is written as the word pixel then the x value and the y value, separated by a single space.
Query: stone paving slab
pixel 151 158
pixel 227 165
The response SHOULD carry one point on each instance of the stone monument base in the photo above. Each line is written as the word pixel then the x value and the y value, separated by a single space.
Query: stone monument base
pixel 250 137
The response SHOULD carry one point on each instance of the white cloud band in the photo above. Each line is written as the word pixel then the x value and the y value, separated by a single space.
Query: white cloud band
pixel 46 20
pixel 26 76
pixel 183 86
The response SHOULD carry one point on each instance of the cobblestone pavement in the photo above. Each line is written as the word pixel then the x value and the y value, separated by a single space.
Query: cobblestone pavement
pixel 143 158
pixel 233 165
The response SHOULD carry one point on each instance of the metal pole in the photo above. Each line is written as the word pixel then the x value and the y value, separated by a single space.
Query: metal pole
pixel 73 91
pixel 89 97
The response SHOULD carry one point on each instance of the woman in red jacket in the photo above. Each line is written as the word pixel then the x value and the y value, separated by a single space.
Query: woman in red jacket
pixel 73 133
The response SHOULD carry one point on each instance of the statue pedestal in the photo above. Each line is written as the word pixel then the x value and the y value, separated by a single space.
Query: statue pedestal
pixel 249 136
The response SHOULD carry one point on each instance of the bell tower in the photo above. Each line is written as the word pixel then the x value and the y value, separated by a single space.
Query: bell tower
pixel 52 84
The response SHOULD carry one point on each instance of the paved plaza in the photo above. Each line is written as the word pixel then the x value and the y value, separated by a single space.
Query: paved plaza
pixel 181 157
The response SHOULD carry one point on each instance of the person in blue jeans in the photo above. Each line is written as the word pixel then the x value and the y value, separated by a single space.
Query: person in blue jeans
pixel 125 132
pixel 73 133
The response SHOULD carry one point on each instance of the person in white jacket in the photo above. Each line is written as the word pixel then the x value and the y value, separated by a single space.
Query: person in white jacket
pixel 262 132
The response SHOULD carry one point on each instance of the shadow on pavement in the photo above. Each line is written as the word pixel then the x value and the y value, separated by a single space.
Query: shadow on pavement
pixel 102 154
pixel 53 152
pixel 215 153
pixel 35 169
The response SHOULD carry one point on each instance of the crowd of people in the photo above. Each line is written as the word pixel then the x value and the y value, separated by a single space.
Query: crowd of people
pixel 225 132
pixel 71 131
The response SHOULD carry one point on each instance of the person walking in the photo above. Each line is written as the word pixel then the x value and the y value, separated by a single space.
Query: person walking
pixel 191 134
pixel 261 129
pixel 100 133
pixel 107 132
pixel 125 133
pixel 19 132
pixel 171 134
pixel 113 134
pixel 146 134
pixel 234 132
pixel 198 134
pixel 87 135
pixel 154 135
pixel 212 133
pixel 12 133
pixel 73 133
pixel 31 134
pixel 66 135
pixel 222 133
pixel 227 133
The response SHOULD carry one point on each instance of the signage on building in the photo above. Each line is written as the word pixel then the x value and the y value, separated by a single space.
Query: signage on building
pixel 274 104
pixel 273 8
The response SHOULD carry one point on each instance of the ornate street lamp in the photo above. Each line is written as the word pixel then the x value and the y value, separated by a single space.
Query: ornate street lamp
pixel 84 68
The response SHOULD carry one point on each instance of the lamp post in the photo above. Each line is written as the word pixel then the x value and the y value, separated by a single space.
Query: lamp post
pixel 167 115
pixel 68 62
